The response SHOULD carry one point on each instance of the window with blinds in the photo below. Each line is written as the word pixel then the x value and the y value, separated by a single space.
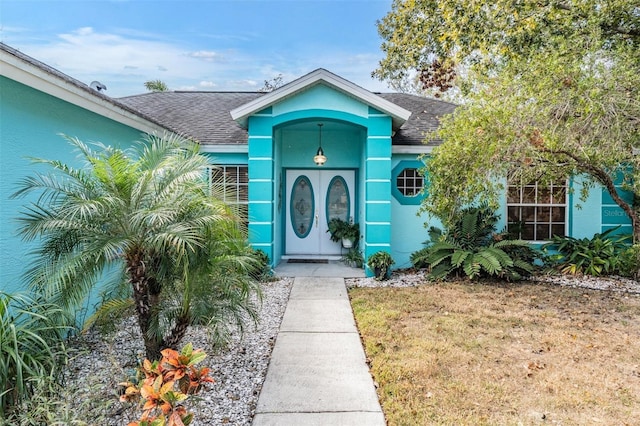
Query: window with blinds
pixel 231 182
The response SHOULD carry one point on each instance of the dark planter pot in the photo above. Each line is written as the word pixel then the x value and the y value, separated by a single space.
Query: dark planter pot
pixel 379 273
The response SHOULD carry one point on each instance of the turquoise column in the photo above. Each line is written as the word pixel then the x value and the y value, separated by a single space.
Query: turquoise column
pixel 377 186
pixel 261 178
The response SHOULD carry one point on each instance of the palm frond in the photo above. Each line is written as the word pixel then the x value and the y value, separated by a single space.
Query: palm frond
pixel 108 312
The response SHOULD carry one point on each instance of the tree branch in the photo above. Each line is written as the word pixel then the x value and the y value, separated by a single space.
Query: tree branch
pixel 604 179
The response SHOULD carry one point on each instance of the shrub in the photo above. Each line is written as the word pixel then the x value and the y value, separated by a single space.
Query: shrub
pixel 31 346
pixel 166 385
pixel 263 270
pixel 630 262
pixel 380 263
pixel 472 248
pixel 353 258
pixel 57 404
pixel 602 254
pixel 340 230
pixel 419 258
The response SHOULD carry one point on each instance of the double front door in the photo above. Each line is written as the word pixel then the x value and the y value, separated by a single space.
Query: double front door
pixel 313 198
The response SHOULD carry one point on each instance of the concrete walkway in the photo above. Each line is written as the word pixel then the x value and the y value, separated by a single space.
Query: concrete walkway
pixel 318 374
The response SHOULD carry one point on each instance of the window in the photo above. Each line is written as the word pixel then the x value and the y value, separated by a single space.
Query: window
pixel 409 182
pixel 233 183
pixel 536 212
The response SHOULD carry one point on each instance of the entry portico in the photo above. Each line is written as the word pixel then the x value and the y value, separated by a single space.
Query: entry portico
pixel 291 198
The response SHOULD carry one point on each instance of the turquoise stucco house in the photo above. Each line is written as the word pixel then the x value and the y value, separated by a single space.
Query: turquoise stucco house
pixel 265 146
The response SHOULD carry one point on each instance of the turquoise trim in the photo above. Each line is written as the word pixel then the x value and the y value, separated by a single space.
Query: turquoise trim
pixel 292 208
pixel 260 169
pixel 403 199
pixel 314 114
pixel 378 212
pixel 378 190
pixel 569 226
pixel 326 204
pixel 612 214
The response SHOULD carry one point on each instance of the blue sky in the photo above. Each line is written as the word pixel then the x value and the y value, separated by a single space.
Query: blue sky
pixel 197 44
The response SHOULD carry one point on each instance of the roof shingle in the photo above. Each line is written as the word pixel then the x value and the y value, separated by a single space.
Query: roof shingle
pixel 205 117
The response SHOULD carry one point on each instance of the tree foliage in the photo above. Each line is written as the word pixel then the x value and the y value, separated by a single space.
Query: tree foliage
pixel 144 217
pixel 272 84
pixel 156 86
pixel 551 90
pixel 436 41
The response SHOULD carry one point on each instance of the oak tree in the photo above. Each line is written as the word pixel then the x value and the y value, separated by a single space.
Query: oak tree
pixel 550 90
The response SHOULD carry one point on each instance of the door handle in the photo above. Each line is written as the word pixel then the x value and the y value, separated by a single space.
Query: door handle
pixel 316 219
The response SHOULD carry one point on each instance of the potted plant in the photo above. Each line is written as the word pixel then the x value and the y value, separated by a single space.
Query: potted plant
pixel 345 232
pixel 380 263
pixel 353 258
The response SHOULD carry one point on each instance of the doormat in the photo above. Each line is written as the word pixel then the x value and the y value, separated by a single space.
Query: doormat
pixel 307 261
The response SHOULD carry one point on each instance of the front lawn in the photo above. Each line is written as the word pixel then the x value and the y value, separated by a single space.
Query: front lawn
pixel 502 354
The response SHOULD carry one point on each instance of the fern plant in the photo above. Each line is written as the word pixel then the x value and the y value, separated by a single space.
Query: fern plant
pixel 472 248
pixel 496 260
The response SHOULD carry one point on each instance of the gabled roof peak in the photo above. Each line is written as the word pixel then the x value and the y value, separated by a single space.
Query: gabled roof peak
pixel 398 114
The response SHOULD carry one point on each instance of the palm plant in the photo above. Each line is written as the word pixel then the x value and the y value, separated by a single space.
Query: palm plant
pixel 145 214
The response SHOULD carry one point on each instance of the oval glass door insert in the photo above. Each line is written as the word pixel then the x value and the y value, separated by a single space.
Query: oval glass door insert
pixel 338 201
pixel 302 206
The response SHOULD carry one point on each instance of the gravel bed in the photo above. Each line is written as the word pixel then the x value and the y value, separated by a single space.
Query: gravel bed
pixel 100 362
pixel 619 284
pixel 412 278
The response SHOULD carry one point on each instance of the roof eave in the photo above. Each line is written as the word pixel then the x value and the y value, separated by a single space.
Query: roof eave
pixel 24 72
pixel 398 114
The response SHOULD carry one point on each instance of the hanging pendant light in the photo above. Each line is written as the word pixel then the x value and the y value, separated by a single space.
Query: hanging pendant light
pixel 319 158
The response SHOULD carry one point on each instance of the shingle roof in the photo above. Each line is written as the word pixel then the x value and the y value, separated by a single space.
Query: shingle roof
pixel 205 116
pixel 425 117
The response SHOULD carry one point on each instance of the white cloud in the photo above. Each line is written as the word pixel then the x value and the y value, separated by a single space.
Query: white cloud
pixel 204 55
pixel 123 61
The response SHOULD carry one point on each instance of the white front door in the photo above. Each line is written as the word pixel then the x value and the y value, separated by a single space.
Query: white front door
pixel 313 198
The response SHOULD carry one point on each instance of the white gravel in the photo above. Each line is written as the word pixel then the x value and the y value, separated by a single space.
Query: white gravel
pixel 239 370
pixel 414 278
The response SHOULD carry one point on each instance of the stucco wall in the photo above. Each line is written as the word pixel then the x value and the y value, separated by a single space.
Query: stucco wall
pixel 31 123
pixel 408 231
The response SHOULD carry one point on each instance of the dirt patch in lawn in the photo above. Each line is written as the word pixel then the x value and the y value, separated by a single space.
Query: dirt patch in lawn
pixel 496 354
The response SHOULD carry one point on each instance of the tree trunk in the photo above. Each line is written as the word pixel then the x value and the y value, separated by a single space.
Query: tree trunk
pixel 139 278
pixel 177 332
